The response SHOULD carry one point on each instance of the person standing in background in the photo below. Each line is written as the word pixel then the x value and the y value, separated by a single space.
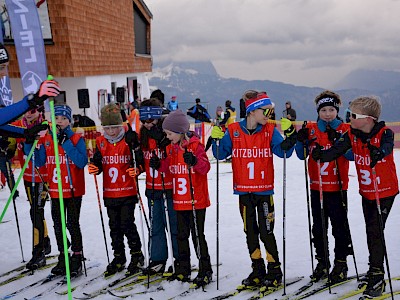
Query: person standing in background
pixel 289 112
pixel 230 114
pixel 173 104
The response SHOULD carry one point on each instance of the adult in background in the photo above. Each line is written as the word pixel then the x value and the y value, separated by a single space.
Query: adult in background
pixel 200 115
pixel 230 114
pixel 289 112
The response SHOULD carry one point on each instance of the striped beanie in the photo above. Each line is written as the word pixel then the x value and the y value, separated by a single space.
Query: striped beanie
pixel 262 99
pixel 63 110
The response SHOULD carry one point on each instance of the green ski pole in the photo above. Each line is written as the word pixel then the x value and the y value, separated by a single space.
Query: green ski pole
pixel 60 194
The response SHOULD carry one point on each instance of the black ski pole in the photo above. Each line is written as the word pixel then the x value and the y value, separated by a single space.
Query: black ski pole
pixel 347 220
pixel 34 199
pixel 194 211
pixel 151 220
pixel 71 187
pixel 324 230
pixel 284 223
pixel 217 217
pixel 308 202
pixel 101 216
pixel 11 183
pixel 381 228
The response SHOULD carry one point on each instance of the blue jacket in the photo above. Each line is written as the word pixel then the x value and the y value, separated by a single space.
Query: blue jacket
pixel 76 153
pixel 12 112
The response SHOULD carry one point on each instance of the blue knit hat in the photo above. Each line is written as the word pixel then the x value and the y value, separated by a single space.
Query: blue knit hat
pixel 63 110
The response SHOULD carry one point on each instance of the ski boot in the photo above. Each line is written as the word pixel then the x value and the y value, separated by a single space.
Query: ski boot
pixel 117 265
pixel 38 259
pixel 182 272
pixel 203 278
pixel 59 269
pixel 137 262
pixel 376 283
pixel 320 271
pixel 339 271
pixel 273 279
pixel 76 264
pixel 155 267
pixel 257 276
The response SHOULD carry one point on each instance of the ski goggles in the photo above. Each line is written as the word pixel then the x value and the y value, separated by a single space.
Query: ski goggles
pixel 356 116
pixel 267 111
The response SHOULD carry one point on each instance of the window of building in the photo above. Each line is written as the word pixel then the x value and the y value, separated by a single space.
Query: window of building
pixel 43 16
pixel 141 28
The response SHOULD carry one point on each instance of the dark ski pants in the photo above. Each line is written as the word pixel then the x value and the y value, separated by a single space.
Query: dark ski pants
pixel 258 214
pixel 374 235
pixel 158 242
pixel 72 210
pixel 37 199
pixel 121 220
pixel 185 220
pixel 335 210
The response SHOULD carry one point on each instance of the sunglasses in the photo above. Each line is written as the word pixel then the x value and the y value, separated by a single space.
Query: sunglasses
pixel 267 111
pixel 356 116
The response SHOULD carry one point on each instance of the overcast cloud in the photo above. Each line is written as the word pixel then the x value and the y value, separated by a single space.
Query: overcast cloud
pixel 303 42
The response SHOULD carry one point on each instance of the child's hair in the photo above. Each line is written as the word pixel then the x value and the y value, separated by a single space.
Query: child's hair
pixel 328 94
pixel 367 105
pixel 250 94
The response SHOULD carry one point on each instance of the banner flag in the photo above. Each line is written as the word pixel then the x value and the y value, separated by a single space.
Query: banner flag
pixel 6 98
pixel 28 39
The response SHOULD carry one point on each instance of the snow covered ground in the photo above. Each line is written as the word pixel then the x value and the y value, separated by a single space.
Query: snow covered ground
pixel 233 251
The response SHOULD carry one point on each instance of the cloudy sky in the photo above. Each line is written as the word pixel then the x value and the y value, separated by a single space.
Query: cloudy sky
pixel 303 42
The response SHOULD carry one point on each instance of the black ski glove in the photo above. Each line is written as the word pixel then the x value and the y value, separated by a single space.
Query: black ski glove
pixel 317 152
pixel 302 135
pixel 132 138
pixel 376 155
pixel 155 162
pixel 61 136
pixel 189 158
pixel 163 143
pixel 333 135
pixel 32 133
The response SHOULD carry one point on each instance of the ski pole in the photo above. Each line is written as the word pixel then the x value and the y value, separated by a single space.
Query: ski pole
pixel 381 227
pixel 194 211
pixel 284 223
pixel 12 185
pixel 324 231
pixel 164 193
pixel 217 214
pixel 18 180
pixel 141 207
pixel 151 220
pixel 347 220
pixel 71 187
pixel 34 206
pixel 101 217
pixel 308 201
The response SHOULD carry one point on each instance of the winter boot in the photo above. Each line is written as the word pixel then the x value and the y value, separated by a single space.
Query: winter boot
pixel 182 271
pixel 76 264
pixel 47 245
pixel 137 262
pixel 59 269
pixel 117 264
pixel 203 278
pixel 155 267
pixel 339 271
pixel 38 259
pixel 273 279
pixel 320 271
pixel 376 283
pixel 257 276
